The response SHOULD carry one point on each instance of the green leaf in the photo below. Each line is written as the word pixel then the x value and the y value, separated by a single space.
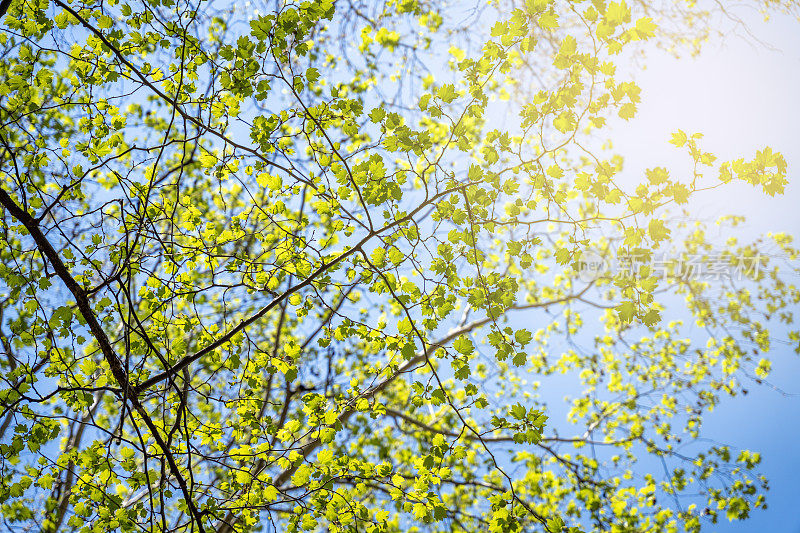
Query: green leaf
pixel 626 311
pixel 463 345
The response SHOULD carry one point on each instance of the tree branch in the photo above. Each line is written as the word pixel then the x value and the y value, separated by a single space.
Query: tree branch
pixel 85 308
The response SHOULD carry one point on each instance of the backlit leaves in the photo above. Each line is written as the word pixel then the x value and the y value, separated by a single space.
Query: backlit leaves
pixel 336 280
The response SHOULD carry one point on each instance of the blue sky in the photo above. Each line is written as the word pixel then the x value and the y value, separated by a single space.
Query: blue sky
pixel 742 96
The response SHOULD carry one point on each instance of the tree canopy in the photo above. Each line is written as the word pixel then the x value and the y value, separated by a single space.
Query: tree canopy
pixel 322 266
